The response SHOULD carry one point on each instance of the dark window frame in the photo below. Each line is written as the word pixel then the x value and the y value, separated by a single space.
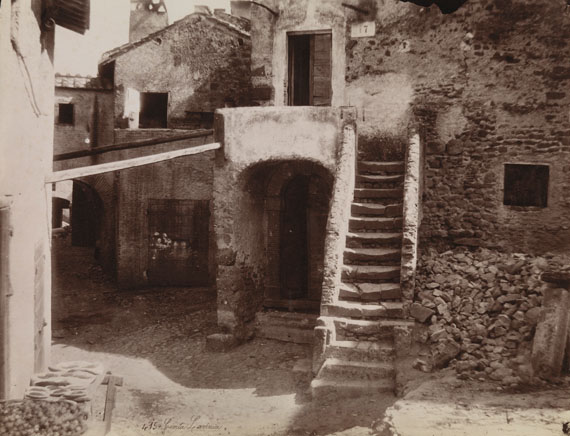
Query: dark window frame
pixel 68 119
pixel 526 185
pixel 153 110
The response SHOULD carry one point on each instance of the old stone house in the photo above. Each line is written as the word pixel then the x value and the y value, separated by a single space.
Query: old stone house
pixel 154 227
pixel 461 121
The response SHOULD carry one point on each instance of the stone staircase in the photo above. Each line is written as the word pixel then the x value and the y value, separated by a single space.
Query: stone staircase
pixel 359 359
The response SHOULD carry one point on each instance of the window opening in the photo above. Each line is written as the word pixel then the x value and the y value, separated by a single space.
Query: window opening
pixel 526 185
pixel 153 112
pixel 65 114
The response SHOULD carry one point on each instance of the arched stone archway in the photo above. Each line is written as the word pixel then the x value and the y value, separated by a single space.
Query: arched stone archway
pixel 296 208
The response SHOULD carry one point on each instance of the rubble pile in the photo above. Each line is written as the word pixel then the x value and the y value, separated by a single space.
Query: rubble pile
pixel 480 308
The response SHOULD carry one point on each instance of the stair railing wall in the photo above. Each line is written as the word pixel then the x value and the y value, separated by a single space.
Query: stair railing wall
pixel 412 216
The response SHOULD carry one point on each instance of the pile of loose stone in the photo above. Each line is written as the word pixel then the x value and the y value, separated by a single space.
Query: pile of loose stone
pixel 481 308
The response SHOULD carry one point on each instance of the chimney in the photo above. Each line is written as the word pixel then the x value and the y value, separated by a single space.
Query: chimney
pixel 147 16
pixel 241 9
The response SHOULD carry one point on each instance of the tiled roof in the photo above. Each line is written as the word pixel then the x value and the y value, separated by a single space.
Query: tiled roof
pixel 118 51
pixel 78 82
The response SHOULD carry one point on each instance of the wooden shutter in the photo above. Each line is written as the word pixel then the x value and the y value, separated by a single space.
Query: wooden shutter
pixel 321 69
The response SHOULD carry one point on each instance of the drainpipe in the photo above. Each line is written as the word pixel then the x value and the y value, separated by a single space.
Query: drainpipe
pixel 5 234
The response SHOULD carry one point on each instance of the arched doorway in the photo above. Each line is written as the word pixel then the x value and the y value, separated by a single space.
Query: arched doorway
pixel 297 204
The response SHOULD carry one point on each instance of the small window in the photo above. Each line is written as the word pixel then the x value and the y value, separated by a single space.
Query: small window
pixel 526 185
pixel 154 108
pixel 65 115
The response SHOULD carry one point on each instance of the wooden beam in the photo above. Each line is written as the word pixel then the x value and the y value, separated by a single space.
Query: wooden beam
pixel 131 144
pixel 75 173
pixel 109 403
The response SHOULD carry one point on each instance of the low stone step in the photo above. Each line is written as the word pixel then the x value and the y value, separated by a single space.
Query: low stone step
pixel 367 330
pixel 285 334
pixel 370 291
pixel 286 326
pixel 351 309
pixel 361 239
pixel 375 223
pixel 351 273
pixel 376 193
pixel 347 370
pixel 352 255
pixel 322 388
pixel 362 351
pixel 374 179
pixel 375 167
pixel 375 209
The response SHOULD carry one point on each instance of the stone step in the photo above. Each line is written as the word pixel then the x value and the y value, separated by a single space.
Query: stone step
pixel 351 273
pixel 375 167
pixel 285 334
pixel 375 209
pixel 376 180
pixel 352 255
pixel 286 326
pixel 376 193
pixel 375 223
pixel 370 291
pixel 368 330
pixel 362 239
pixel 351 309
pixel 349 370
pixel 322 388
pixel 362 351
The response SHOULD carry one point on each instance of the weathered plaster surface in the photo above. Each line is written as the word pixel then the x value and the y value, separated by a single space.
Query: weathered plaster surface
pixel 26 123
pixel 261 134
pixel 255 140
pixel 412 215
pixel 339 215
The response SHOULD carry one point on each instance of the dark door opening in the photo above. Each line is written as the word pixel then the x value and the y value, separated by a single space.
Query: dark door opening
pixel 86 215
pixel 310 69
pixel 293 244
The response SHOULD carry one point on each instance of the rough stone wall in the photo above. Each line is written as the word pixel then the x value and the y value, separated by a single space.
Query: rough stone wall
pixel 93 122
pixel 185 178
pixel 202 65
pixel 26 123
pixel 253 137
pixel 487 84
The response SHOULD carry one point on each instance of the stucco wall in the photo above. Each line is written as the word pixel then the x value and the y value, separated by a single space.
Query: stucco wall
pixel 26 123
pixel 202 65
pixel 258 138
